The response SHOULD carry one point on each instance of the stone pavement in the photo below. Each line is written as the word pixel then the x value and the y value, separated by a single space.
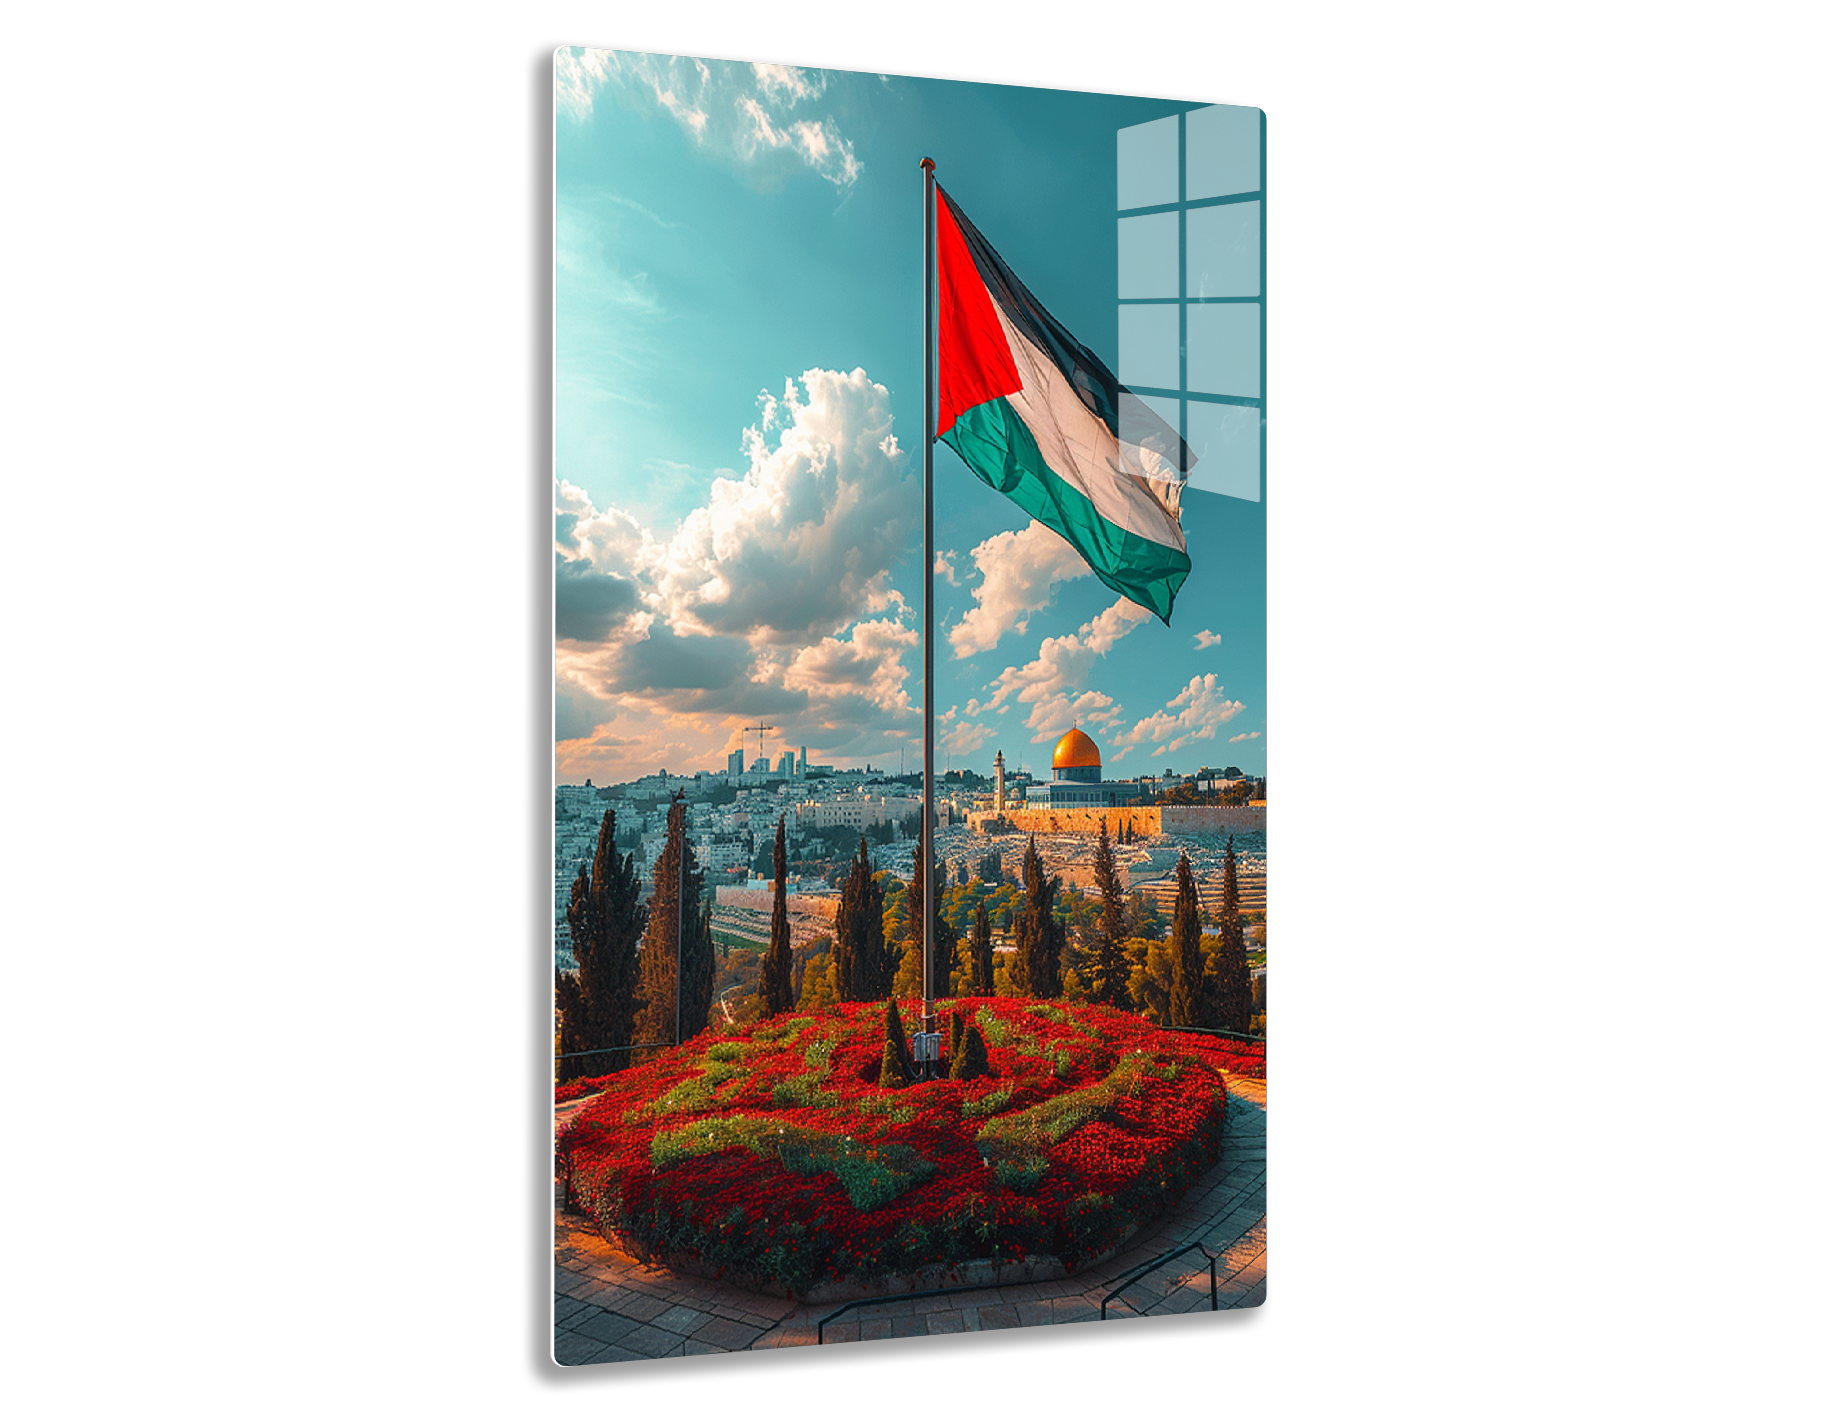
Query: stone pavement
pixel 608 1308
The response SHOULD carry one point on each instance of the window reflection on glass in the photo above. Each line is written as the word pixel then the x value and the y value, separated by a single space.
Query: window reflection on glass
pixel 1190 289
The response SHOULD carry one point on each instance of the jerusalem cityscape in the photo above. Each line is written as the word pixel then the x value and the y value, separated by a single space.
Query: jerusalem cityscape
pixel 984 822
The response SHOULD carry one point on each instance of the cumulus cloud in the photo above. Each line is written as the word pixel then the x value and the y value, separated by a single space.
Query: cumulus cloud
pixel 866 664
pixel 1054 685
pixel 771 599
pixel 961 737
pixel 743 114
pixel 1244 736
pixel 804 540
pixel 1019 569
pixel 945 567
pixel 1194 715
pixel 1205 638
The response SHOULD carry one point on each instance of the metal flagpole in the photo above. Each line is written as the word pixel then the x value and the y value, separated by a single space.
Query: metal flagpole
pixel 682 843
pixel 931 423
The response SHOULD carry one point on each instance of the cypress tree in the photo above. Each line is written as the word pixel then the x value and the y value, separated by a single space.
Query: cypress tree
pixel 1039 936
pixel 598 998
pixel 971 1059
pixel 677 874
pixel 775 966
pixel 982 954
pixel 892 1067
pixel 1188 968
pixel 893 1058
pixel 1233 958
pixel 944 937
pixel 864 965
pixel 1110 974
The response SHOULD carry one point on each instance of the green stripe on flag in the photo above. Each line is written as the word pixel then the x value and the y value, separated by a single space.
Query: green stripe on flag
pixel 996 445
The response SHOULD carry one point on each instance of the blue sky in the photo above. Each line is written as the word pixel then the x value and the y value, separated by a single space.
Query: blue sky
pixel 738 436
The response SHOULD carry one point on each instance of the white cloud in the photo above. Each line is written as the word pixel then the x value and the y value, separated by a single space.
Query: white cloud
pixel 1245 736
pixel 1206 638
pixel 945 567
pixel 960 737
pixel 754 605
pixel 1053 685
pixel 788 84
pixel 803 541
pixel 1019 569
pixel 1194 715
pixel 866 663
pixel 578 74
pixel 722 106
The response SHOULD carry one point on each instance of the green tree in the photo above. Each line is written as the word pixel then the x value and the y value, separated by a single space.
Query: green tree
pixel 1233 984
pixel 1109 975
pixel 775 968
pixel 1039 936
pixel 597 999
pixel 677 877
pixel 818 988
pixel 896 1067
pixel 981 955
pixel 1184 994
pixel 944 937
pixel 864 964
pixel 988 868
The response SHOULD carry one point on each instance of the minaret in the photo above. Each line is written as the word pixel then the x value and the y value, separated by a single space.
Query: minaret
pixel 1001 786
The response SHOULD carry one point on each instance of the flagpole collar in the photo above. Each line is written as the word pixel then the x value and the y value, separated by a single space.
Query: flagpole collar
pixel 928 164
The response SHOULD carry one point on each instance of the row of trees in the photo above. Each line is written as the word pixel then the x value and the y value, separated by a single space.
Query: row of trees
pixel 623 990
pixel 1120 955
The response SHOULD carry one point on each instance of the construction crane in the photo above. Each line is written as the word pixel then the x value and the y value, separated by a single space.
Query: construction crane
pixel 761 729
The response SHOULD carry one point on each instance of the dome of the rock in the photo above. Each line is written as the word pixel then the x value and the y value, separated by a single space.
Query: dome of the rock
pixel 1075 750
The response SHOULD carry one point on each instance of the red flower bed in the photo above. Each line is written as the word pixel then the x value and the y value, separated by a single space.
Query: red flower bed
pixel 773 1153
pixel 1243 1057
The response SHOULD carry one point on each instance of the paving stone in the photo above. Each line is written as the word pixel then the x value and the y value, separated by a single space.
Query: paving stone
pixel 695 1346
pixel 926 1304
pixel 683 1319
pixel 1035 1312
pixel 841 1332
pixel 651 1341
pixel 604 1326
pixel 944 1322
pixel 566 1305
pixel 641 1307
pixel 998 1317
pixel 728 1334
pixel 906 1325
pixel 572 1349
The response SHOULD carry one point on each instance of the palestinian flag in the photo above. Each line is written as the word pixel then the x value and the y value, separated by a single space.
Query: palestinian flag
pixel 1032 412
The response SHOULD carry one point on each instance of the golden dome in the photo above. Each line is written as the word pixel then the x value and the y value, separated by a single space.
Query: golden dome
pixel 1075 750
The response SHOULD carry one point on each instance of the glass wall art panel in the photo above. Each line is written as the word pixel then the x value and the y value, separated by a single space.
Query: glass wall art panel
pixel 911 869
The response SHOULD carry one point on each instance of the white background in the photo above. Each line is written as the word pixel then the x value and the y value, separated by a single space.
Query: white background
pixel 1550 658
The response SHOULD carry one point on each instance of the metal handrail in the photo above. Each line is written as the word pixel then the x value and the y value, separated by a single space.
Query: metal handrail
pixel 910 1295
pixel 1202 1030
pixel 616 1049
pixel 1103 1310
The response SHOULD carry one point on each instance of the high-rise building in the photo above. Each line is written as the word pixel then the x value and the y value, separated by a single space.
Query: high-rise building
pixel 736 763
pixel 803 761
pixel 787 764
